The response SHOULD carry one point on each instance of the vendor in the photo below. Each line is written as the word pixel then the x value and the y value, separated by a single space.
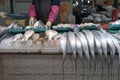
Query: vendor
pixel 46 11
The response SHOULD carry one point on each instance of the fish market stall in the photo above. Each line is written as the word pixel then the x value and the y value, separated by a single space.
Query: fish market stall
pixel 95 52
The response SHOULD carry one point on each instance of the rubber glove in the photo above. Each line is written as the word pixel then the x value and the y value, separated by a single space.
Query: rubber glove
pixel 31 21
pixel 3 14
pixel 48 24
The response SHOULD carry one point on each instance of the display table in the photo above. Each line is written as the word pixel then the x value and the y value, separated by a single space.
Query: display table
pixel 45 63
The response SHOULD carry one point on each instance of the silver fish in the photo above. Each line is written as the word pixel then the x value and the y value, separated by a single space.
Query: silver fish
pixel 80 52
pixel 90 39
pixel 103 41
pixel 85 48
pixel 110 43
pixel 63 42
pixel 79 47
pixel 38 24
pixel 71 38
pixel 117 45
pixel 98 45
pixel 117 36
pixel 84 44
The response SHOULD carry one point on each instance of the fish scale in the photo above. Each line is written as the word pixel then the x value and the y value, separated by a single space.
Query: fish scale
pixel 110 43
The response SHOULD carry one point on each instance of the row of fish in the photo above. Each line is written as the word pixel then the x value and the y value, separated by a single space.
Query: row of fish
pixel 15 25
pixel 89 43
pixel 74 25
pixel 28 40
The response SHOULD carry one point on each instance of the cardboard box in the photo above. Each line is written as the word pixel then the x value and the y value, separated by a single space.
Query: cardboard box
pixel 23 22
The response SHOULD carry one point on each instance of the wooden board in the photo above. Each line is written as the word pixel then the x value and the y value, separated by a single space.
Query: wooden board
pixel 23 22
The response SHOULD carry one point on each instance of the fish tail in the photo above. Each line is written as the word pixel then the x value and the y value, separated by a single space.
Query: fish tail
pixel 101 60
pixel 102 70
pixel 111 71
pixel 63 70
pixel 108 71
pixel 63 66
pixel 83 69
pixel 94 62
pixel 119 72
pixel 119 68
pixel 75 66
pixel 89 71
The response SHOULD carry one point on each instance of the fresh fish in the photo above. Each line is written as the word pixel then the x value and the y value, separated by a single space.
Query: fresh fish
pixel 98 45
pixel 80 52
pixel 38 24
pixel 28 34
pixel 79 48
pixel 63 42
pixel 103 41
pixel 17 37
pixel 84 43
pixel 117 36
pixel 28 27
pixel 85 48
pixel 71 38
pixel 110 43
pixel 90 39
